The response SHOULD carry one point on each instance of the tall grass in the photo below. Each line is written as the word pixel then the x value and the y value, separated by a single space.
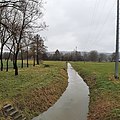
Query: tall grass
pixel 104 89
pixel 30 79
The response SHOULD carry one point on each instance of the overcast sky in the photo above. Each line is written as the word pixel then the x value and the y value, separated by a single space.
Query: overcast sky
pixel 85 24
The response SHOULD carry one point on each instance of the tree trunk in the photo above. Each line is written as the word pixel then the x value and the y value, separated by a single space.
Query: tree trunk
pixel 27 57
pixel 1 57
pixel 34 59
pixel 14 61
pixel 16 67
pixel 7 65
pixel 16 70
pixel 22 63
pixel 1 64
pixel 37 59
pixel 8 61
pixel 22 58
pixel 14 55
pixel 37 56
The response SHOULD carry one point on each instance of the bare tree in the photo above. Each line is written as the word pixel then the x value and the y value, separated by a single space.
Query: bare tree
pixel 4 32
pixel 26 13
pixel 37 48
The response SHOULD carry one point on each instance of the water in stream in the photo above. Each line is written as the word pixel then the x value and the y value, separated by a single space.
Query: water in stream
pixel 73 104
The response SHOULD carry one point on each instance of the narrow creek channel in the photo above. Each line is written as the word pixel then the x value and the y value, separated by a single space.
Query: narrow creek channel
pixel 73 104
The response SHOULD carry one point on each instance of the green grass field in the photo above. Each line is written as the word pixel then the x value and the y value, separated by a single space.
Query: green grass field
pixel 104 89
pixel 10 63
pixel 16 88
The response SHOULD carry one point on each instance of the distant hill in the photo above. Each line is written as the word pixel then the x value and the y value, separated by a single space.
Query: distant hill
pixel 82 52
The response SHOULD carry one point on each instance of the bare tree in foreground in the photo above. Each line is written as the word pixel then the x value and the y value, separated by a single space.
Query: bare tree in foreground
pixel 24 16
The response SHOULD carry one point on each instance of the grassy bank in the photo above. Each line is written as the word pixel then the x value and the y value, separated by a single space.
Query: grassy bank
pixel 104 90
pixel 35 89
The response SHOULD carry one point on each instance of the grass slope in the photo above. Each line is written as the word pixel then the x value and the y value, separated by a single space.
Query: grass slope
pixel 35 89
pixel 104 90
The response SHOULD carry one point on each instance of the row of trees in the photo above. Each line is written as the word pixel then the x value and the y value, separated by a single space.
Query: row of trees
pixel 82 56
pixel 19 22
pixel 36 50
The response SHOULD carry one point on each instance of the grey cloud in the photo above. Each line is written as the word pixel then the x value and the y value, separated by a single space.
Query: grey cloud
pixel 79 23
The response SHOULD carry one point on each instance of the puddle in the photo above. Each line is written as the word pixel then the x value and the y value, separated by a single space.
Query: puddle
pixel 73 104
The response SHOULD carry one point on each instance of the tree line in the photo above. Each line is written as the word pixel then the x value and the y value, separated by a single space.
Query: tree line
pixel 19 27
pixel 81 56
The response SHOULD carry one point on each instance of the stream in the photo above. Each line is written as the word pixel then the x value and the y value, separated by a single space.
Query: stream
pixel 73 104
